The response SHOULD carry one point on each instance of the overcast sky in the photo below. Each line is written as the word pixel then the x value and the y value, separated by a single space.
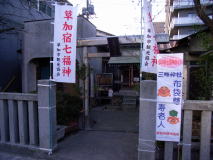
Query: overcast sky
pixel 120 17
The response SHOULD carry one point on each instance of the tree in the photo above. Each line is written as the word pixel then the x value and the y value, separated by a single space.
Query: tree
pixel 204 76
pixel 5 15
pixel 200 9
pixel 23 5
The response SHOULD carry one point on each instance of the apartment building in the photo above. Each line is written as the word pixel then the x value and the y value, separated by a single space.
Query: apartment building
pixel 182 19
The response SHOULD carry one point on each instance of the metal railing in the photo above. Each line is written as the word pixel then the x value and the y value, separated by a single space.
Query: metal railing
pixel 177 4
pixel 184 21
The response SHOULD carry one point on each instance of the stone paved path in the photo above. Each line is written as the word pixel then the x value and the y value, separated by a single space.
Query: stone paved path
pixel 113 137
pixel 9 156
pixel 99 145
pixel 126 121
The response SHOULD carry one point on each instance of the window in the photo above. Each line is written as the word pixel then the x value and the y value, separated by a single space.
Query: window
pixel 42 7
pixel 33 4
pixel 49 11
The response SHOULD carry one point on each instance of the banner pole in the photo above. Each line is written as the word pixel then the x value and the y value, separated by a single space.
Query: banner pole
pixel 141 47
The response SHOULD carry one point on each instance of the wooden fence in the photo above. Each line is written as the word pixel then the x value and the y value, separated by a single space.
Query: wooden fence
pixel 28 120
pixel 201 144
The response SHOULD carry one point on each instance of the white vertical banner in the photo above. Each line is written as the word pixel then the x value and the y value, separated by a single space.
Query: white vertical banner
pixel 64 56
pixel 150 47
pixel 169 96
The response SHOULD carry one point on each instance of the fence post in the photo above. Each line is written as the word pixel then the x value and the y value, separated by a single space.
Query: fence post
pixel 147 116
pixel 4 121
pixel 86 89
pixel 47 115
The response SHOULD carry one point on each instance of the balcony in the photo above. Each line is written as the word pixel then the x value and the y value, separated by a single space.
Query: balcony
pixel 187 21
pixel 181 4
pixel 180 36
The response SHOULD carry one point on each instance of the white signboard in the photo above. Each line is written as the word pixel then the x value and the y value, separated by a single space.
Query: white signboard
pixel 150 47
pixel 64 57
pixel 169 96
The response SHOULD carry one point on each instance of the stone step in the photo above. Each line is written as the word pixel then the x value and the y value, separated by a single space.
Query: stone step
pixel 128 93
pixel 129 103
pixel 129 98
pixel 127 107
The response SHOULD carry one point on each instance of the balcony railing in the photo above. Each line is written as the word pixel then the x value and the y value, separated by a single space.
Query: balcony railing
pixel 178 4
pixel 180 36
pixel 187 21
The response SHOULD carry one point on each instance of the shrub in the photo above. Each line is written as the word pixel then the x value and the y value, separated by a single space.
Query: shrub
pixel 68 108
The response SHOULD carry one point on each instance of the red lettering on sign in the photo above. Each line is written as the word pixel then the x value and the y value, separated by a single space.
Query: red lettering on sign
pixel 67 37
pixel 67 49
pixel 67 60
pixel 66 71
pixel 68 15
pixel 170 61
pixel 67 26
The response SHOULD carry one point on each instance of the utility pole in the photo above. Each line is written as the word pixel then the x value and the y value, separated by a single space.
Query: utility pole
pixel 87 13
pixel 88 10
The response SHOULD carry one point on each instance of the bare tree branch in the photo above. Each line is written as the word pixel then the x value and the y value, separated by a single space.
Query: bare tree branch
pixel 22 7
pixel 6 30
pixel 203 16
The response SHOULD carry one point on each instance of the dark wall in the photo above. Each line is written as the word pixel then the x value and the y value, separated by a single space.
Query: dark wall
pixel 10 66
pixel 14 13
